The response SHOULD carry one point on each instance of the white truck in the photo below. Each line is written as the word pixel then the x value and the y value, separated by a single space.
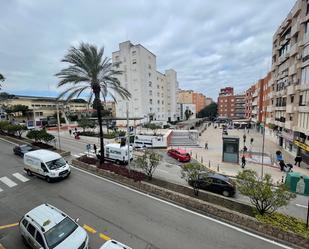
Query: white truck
pixel 46 164
pixel 119 154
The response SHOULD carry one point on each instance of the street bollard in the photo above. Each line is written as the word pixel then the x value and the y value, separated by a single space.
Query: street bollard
pixel 218 169
pixel 196 156
pixel 201 159
pixel 209 164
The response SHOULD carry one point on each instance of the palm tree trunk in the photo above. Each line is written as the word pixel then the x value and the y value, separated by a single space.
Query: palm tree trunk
pixel 98 106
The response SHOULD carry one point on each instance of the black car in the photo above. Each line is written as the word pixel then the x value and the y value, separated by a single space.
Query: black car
pixel 216 183
pixel 22 149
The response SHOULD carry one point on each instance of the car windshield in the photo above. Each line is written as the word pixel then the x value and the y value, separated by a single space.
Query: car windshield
pixel 55 164
pixel 25 147
pixel 60 232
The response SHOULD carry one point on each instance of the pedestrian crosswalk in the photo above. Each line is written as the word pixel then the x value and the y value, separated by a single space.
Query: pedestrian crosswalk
pixel 12 181
pixel 90 154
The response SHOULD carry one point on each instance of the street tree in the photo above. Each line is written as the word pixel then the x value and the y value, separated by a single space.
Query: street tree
pixel 190 172
pixel 89 69
pixel 3 125
pixel 1 79
pixel 16 129
pixel 264 197
pixel 209 111
pixel 148 162
pixel 40 135
pixel 86 123
pixel 17 108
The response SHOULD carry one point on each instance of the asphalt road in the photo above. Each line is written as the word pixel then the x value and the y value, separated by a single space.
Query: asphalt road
pixel 114 211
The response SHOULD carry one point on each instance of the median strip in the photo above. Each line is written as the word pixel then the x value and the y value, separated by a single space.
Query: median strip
pixel 89 229
pixel 8 226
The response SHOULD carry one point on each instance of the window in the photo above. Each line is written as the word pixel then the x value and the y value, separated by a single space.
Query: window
pixel 133 52
pixel 39 239
pixel 150 101
pixel 150 92
pixel 304 76
pixel 149 66
pixel 158 86
pixel 134 61
pixel 158 101
pixel 149 74
pixel 232 100
pixel 292 98
pixel 150 83
pixel 31 229
pixel 305 55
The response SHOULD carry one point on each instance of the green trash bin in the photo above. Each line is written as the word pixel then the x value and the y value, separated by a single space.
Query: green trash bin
pixel 292 180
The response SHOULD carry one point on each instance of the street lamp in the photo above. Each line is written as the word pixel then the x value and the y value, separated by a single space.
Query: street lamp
pixel 58 123
pixel 263 143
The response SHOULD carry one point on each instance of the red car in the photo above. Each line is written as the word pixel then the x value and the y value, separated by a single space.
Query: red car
pixel 179 154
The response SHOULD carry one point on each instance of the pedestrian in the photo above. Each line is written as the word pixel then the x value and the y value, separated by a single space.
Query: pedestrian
pixel 245 148
pixel 298 160
pixel 206 145
pixel 70 131
pixel 282 165
pixel 243 161
pixel 95 149
pixel 248 131
pixel 75 129
pixel 244 137
pixel 251 141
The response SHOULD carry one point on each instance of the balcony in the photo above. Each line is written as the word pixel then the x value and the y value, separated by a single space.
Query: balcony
pixel 294 49
pixel 289 108
pixel 271 95
pixel 303 87
pixel 290 90
pixel 270 120
pixel 280 108
pixel 292 69
pixel 304 108
pixel 288 125
pixel 305 40
pixel 295 28
pixel 274 67
pixel 305 63
pixel 296 8
pixel 254 103
pixel 254 111
pixel 304 19
pixel 270 109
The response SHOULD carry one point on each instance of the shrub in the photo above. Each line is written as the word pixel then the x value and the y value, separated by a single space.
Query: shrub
pixel 285 222
pixel 40 135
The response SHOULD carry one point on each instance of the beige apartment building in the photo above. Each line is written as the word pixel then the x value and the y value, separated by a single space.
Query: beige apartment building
pixel 289 98
pixel 43 107
pixel 154 94
pixel 191 97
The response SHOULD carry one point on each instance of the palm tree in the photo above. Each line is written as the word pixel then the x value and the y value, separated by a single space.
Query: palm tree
pixel 90 70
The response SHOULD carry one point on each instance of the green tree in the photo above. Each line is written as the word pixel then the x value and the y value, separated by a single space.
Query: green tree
pixel 210 111
pixel 188 113
pixel 40 135
pixel 3 126
pixel 17 108
pixel 46 137
pixel 89 70
pixel 16 129
pixel 190 172
pixel 86 123
pixel 148 162
pixel 265 198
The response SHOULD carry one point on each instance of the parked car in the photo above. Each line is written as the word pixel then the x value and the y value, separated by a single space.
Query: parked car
pixel 22 149
pixel 113 244
pixel 179 154
pixel 216 183
pixel 47 227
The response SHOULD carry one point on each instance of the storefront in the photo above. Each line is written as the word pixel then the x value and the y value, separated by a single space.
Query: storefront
pixel 303 150
pixel 287 142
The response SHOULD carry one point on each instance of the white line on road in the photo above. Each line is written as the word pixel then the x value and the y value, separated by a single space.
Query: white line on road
pixel 190 211
pixel 1 189
pixel 81 154
pixel 20 177
pixel 299 205
pixel 8 181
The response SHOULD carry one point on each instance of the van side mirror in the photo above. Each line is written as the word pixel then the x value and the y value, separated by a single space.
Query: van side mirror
pixel 66 161
pixel 77 220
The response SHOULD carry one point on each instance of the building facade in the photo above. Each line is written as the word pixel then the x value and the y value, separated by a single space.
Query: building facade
pixel 191 97
pixel 230 105
pixel 154 94
pixel 289 98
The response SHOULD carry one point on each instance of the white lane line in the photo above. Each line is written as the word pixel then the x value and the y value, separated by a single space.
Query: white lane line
pixel 299 205
pixel 81 154
pixel 8 182
pixel 1 189
pixel 190 211
pixel 76 155
pixel 20 177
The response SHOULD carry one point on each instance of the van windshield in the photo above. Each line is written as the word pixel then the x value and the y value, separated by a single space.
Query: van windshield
pixel 55 164
pixel 60 232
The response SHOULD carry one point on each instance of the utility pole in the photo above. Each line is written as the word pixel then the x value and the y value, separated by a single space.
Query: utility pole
pixel 263 143
pixel 58 122
pixel 128 134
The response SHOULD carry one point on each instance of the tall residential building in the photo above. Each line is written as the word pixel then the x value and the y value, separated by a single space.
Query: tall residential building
pixel 239 110
pixel 290 70
pixel 191 97
pixel 154 94
pixel 248 102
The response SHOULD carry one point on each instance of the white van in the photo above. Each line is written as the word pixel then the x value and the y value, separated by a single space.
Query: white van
pixel 46 164
pixel 117 153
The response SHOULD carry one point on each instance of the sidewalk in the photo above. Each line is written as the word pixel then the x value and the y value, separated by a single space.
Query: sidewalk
pixel 213 156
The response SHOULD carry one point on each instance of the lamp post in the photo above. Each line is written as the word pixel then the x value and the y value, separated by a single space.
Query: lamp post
pixel 263 143
pixel 128 135
pixel 58 124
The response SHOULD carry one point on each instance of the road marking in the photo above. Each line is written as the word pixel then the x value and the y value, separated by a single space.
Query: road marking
pixel 20 177
pixel 8 226
pixel 189 211
pixel 10 142
pixel 89 229
pixel 1 189
pixel 103 236
pixel 299 205
pixel 76 155
pixel 81 154
pixel 8 181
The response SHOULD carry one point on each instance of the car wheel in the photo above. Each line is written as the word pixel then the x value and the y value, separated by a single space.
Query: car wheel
pixel 25 241
pixel 48 179
pixel 29 172
pixel 226 193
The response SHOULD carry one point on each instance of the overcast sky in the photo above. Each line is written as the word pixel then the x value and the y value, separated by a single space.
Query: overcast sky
pixel 211 44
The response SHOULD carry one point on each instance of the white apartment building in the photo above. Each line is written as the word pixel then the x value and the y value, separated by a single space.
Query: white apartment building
pixel 182 107
pixel 154 94
pixel 290 85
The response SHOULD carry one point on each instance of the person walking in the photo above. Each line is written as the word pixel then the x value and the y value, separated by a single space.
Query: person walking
pixel 251 141
pixel 243 161
pixel 70 131
pixel 282 165
pixel 95 149
pixel 206 145
pixel 298 160
pixel 244 137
